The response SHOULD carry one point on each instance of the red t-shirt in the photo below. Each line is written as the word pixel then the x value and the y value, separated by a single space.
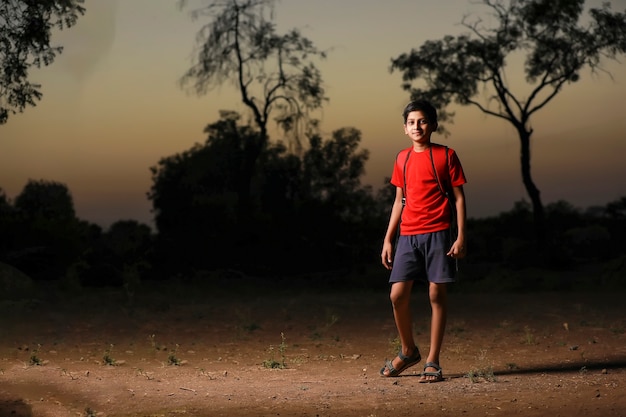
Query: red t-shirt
pixel 427 209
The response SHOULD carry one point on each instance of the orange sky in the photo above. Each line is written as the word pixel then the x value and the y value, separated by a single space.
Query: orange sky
pixel 112 107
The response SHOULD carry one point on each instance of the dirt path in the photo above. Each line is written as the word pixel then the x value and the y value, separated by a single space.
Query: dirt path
pixel 530 355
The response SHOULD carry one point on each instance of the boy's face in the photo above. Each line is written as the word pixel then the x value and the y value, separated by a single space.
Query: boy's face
pixel 418 127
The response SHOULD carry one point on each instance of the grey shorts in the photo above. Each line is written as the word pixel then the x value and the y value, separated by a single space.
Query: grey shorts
pixel 423 257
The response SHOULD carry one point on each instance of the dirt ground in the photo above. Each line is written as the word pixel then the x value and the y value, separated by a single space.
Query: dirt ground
pixel 307 353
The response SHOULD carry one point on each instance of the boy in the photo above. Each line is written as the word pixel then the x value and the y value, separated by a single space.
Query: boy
pixel 426 248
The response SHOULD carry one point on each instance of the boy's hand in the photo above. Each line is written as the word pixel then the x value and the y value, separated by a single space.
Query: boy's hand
pixel 457 250
pixel 387 255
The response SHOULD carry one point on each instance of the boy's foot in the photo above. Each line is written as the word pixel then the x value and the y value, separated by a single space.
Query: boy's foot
pixel 432 373
pixel 402 362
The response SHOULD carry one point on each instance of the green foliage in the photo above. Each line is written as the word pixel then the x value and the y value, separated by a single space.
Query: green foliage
pixel 394 345
pixel 272 362
pixel 172 358
pixel 34 357
pixel 476 375
pixel 529 336
pixel 25 30
pixel 107 358
pixel 246 322
pixel 483 371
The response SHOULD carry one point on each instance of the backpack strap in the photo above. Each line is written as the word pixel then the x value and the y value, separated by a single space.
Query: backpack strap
pixel 406 160
pixel 444 190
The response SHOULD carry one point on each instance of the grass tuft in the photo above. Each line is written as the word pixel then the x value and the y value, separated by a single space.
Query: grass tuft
pixel 271 362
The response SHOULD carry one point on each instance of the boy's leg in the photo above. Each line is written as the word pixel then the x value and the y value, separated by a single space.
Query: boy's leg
pixel 400 297
pixel 438 294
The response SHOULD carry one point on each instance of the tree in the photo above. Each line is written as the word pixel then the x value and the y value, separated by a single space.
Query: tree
pixel 343 219
pixel 25 32
pixel 557 47
pixel 50 236
pixel 274 73
pixel 7 225
pixel 312 209
pixel 333 171
pixel 194 197
pixel 119 256
pixel 5 203
pixel 46 200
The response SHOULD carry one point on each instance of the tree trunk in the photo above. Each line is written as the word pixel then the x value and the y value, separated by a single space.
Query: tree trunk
pixel 252 151
pixel 531 189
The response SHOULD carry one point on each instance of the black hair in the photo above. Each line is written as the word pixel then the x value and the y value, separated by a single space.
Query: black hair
pixel 421 105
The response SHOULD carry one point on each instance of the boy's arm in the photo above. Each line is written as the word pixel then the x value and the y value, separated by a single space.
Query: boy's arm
pixel 458 249
pixel 394 221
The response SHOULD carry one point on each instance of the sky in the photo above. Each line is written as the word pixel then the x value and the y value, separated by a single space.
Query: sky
pixel 113 107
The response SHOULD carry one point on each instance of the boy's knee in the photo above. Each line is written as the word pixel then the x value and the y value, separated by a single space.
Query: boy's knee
pixel 394 300
pixel 398 298
pixel 437 293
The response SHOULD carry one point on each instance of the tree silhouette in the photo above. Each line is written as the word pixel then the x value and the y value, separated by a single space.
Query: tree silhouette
pixel 348 220
pixel 25 31
pixel 194 196
pixel 49 236
pixel 333 170
pixel 119 256
pixel 557 47
pixel 7 226
pixel 46 200
pixel 5 203
pixel 312 209
pixel 274 73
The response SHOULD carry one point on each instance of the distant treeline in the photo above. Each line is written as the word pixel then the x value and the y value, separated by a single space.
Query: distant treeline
pixel 42 237
pixel 301 214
